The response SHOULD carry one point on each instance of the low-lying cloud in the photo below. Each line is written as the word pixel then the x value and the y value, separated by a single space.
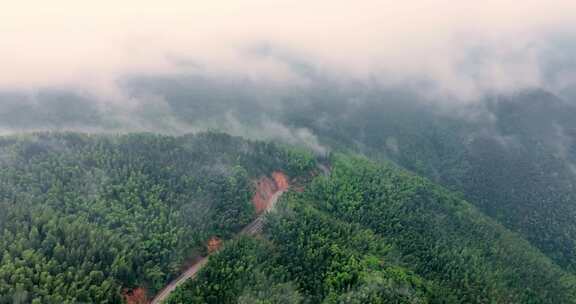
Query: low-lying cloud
pixel 182 66
pixel 464 46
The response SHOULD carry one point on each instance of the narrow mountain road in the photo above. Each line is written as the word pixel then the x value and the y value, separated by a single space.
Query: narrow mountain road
pixel 189 273
pixel 254 228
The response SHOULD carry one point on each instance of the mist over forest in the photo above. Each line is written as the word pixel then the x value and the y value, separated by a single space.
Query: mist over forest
pixel 278 152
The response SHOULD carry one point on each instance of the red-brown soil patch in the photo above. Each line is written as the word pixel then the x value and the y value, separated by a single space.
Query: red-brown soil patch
pixel 135 296
pixel 266 187
pixel 213 244
pixel 281 180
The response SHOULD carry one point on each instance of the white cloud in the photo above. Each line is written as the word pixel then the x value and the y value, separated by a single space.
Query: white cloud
pixel 92 43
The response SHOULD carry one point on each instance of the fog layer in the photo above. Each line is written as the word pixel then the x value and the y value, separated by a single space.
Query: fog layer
pixel 463 46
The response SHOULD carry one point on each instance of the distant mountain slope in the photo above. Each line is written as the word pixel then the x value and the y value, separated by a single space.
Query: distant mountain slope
pixel 514 157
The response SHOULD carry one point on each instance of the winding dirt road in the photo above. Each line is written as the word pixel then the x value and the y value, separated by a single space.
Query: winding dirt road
pixel 189 273
pixel 254 228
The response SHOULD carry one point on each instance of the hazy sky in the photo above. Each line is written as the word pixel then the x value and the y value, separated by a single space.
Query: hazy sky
pixel 72 41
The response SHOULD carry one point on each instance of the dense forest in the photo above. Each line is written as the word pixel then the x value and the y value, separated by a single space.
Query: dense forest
pixel 515 162
pixel 456 199
pixel 84 217
pixel 288 152
pixel 512 155
pixel 371 233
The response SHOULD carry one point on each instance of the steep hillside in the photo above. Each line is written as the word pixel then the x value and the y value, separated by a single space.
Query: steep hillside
pixel 155 200
pixel 512 156
pixel 86 218
pixel 371 233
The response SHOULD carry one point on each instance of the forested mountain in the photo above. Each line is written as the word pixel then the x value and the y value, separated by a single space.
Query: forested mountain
pixel 371 233
pixel 154 200
pixel 512 155
pixel 288 152
pixel 85 216
pixel 514 158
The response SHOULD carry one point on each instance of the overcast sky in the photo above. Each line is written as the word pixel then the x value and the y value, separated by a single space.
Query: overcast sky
pixel 70 41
